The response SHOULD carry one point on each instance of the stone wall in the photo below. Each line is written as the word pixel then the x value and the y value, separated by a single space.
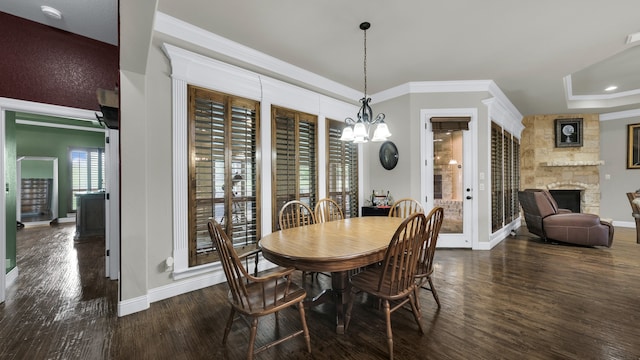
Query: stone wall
pixel 545 166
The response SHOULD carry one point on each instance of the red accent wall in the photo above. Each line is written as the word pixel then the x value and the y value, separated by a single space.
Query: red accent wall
pixel 43 64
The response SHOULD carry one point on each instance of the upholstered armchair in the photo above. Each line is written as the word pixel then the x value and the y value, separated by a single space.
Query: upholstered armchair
pixel 634 200
pixel 545 219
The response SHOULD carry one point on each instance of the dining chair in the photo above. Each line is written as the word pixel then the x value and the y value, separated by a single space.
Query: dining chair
pixel 425 266
pixel 295 213
pixel 404 207
pixel 327 210
pixel 255 297
pixel 394 280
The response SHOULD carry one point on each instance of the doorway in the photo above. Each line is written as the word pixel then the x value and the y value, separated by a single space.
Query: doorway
pixel 20 106
pixel 447 151
pixel 37 189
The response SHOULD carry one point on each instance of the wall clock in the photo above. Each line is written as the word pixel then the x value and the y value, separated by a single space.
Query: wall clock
pixel 388 155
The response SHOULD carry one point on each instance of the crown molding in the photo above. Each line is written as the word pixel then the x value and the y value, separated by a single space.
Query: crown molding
pixel 620 115
pixel 190 33
pixel 622 98
pixel 184 31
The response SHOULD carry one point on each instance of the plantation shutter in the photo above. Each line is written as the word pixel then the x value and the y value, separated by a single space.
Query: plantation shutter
pixel 508 177
pixel 342 170
pixel 222 171
pixel 515 181
pixel 496 177
pixel 294 143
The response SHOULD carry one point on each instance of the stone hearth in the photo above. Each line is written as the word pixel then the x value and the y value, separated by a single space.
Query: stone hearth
pixel 544 166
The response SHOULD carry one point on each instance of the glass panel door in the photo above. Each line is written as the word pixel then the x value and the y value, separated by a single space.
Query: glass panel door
pixel 448 186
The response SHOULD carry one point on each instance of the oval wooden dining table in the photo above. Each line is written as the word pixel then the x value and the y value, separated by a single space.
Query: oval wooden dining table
pixel 335 246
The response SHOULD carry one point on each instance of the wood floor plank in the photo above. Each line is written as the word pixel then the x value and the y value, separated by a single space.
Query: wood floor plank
pixel 523 299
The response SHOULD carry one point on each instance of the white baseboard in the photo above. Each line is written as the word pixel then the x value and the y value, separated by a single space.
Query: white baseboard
pixel 176 288
pixel 625 224
pixel 127 307
pixel 11 277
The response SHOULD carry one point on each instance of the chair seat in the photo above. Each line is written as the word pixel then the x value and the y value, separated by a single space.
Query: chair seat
pixel 272 303
pixel 368 280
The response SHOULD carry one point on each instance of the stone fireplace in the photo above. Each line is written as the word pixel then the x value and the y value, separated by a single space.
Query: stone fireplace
pixel 568 199
pixel 545 166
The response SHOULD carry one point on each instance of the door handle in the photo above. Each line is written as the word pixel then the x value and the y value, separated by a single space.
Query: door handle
pixel 469 197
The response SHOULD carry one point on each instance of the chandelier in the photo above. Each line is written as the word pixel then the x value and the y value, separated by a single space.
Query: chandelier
pixel 358 130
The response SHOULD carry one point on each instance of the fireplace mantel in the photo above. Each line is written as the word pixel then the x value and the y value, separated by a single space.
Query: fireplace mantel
pixel 572 163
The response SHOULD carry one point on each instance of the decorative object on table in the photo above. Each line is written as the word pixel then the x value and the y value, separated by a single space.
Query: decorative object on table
pixel 381 198
pixel 255 297
pixel 358 130
pixel 633 146
pixel 568 132
pixel 388 155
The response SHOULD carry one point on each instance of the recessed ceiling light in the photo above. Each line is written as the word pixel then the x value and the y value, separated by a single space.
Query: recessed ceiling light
pixel 611 88
pixel 51 12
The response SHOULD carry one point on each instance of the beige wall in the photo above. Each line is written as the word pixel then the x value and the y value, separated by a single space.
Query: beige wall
pixel 405 179
pixel 613 150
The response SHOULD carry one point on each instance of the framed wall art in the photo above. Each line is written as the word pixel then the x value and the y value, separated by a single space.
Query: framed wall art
pixel 633 146
pixel 568 132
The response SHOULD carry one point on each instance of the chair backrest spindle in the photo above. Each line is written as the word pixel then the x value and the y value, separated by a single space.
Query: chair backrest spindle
pixel 327 210
pixel 295 213
pixel 404 207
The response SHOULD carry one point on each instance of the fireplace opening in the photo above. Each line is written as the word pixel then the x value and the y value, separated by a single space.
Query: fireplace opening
pixel 567 199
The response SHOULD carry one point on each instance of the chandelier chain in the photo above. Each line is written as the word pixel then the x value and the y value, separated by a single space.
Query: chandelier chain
pixel 365 63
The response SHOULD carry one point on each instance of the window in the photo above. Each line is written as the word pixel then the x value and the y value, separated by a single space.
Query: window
pixel 223 171
pixel 294 159
pixel 342 169
pixel 87 172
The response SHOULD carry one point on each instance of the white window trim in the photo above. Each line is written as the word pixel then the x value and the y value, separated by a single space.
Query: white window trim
pixel 188 68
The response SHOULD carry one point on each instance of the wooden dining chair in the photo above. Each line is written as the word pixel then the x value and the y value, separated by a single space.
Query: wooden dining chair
pixel 255 297
pixel 394 280
pixel 404 207
pixel 425 266
pixel 327 210
pixel 295 213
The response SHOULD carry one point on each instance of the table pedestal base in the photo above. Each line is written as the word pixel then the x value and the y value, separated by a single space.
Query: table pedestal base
pixel 338 294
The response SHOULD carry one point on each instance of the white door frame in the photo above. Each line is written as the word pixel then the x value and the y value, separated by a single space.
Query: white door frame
pixel 469 238
pixel 112 204
pixel 7 104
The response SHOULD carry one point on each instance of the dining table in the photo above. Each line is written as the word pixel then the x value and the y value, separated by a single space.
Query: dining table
pixel 338 247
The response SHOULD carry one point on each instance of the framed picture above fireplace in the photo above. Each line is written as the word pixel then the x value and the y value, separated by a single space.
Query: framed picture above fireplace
pixel 568 132
pixel 633 146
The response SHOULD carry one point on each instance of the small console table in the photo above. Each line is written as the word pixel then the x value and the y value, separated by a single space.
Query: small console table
pixel 375 210
pixel 90 215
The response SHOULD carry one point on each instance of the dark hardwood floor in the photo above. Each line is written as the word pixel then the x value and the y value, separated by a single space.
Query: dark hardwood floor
pixel 524 299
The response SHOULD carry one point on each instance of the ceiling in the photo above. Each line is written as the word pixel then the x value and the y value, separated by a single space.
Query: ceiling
pixel 547 56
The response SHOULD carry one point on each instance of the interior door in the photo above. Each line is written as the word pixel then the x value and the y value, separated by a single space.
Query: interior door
pixel 112 204
pixel 448 175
